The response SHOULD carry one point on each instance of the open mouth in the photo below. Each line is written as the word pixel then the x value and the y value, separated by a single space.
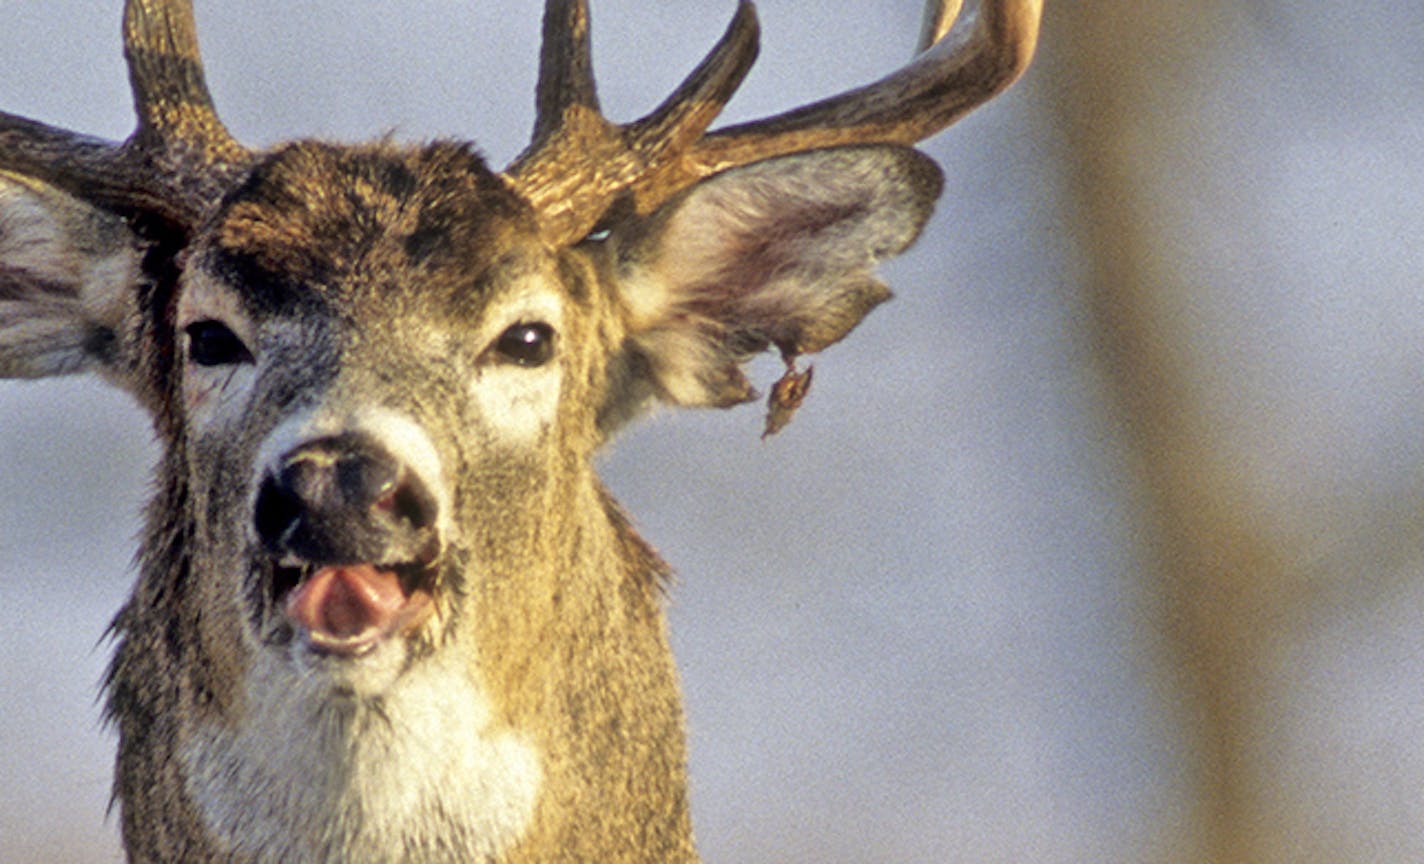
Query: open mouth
pixel 347 610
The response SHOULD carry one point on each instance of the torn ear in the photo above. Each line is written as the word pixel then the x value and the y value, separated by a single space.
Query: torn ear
pixel 68 284
pixel 779 253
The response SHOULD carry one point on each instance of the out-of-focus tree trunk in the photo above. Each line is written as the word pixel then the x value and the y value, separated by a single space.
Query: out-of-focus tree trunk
pixel 1124 74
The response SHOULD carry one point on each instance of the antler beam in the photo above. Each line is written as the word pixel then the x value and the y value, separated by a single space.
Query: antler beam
pixel 983 53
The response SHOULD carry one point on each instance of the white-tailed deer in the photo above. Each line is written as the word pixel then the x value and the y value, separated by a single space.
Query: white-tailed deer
pixel 385 609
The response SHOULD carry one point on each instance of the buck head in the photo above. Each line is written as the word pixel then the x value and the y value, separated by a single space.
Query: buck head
pixel 386 610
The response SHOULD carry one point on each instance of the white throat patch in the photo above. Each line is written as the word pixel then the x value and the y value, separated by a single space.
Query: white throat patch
pixel 417 774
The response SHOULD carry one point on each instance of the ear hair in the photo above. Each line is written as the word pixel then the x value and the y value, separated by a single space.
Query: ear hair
pixel 68 277
pixel 779 253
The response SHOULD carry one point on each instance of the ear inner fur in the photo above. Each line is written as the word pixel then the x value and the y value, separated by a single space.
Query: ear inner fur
pixel 777 254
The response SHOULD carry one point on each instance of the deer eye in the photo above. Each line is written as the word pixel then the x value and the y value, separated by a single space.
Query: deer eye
pixel 526 345
pixel 212 343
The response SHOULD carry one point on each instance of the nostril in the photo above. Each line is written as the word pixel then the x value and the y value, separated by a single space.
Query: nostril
pixel 365 479
pixel 277 511
pixel 409 502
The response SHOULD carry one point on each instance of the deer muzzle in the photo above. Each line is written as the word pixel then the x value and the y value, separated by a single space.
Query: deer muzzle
pixel 352 535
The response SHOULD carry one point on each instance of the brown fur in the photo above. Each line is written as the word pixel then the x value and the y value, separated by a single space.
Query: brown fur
pixel 369 252
pixel 382 278
pixel 606 709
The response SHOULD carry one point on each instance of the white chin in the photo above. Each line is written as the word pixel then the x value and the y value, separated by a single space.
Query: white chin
pixel 370 671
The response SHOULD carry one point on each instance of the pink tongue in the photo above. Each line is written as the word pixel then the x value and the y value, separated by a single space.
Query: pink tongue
pixel 342 602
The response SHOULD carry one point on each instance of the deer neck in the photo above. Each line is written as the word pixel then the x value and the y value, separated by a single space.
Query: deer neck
pixel 550 723
pixel 589 669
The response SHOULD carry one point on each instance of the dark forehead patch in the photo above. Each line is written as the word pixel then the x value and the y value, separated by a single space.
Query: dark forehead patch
pixel 312 218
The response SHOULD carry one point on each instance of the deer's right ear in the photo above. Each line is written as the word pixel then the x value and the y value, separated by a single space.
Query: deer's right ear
pixel 68 285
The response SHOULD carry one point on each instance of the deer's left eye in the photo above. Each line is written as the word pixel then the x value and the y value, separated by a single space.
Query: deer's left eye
pixel 212 343
pixel 526 345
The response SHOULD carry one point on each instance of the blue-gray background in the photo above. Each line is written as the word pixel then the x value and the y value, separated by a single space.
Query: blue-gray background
pixel 915 627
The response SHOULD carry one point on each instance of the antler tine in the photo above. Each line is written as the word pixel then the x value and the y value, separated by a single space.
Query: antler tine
pixel 178 128
pixel 939 17
pixel 175 163
pixel 686 114
pixel 565 67
pixel 166 72
pixel 579 164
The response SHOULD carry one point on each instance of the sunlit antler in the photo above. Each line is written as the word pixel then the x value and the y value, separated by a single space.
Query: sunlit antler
pixel 580 167
pixel 578 161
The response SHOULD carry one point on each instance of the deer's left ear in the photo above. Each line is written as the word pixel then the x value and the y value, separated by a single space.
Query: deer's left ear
pixel 779 253
pixel 68 285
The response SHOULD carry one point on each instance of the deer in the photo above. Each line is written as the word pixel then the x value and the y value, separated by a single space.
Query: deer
pixel 385 610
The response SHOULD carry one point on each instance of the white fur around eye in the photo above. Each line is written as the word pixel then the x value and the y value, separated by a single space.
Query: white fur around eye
pixel 214 396
pixel 517 404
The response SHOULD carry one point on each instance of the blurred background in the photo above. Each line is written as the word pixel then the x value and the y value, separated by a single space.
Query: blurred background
pixel 1101 543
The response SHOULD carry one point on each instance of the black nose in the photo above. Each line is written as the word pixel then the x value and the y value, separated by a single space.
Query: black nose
pixel 345 500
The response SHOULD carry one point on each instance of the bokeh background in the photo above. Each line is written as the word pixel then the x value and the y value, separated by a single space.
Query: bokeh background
pixel 1101 543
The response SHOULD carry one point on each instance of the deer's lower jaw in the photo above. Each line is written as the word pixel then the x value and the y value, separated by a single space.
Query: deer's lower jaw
pixel 347 610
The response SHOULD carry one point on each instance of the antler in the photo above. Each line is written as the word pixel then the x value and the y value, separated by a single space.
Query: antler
pixel 580 169
pixel 578 162
pixel 177 160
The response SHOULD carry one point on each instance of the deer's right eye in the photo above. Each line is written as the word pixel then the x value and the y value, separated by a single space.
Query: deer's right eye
pixel 212 343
